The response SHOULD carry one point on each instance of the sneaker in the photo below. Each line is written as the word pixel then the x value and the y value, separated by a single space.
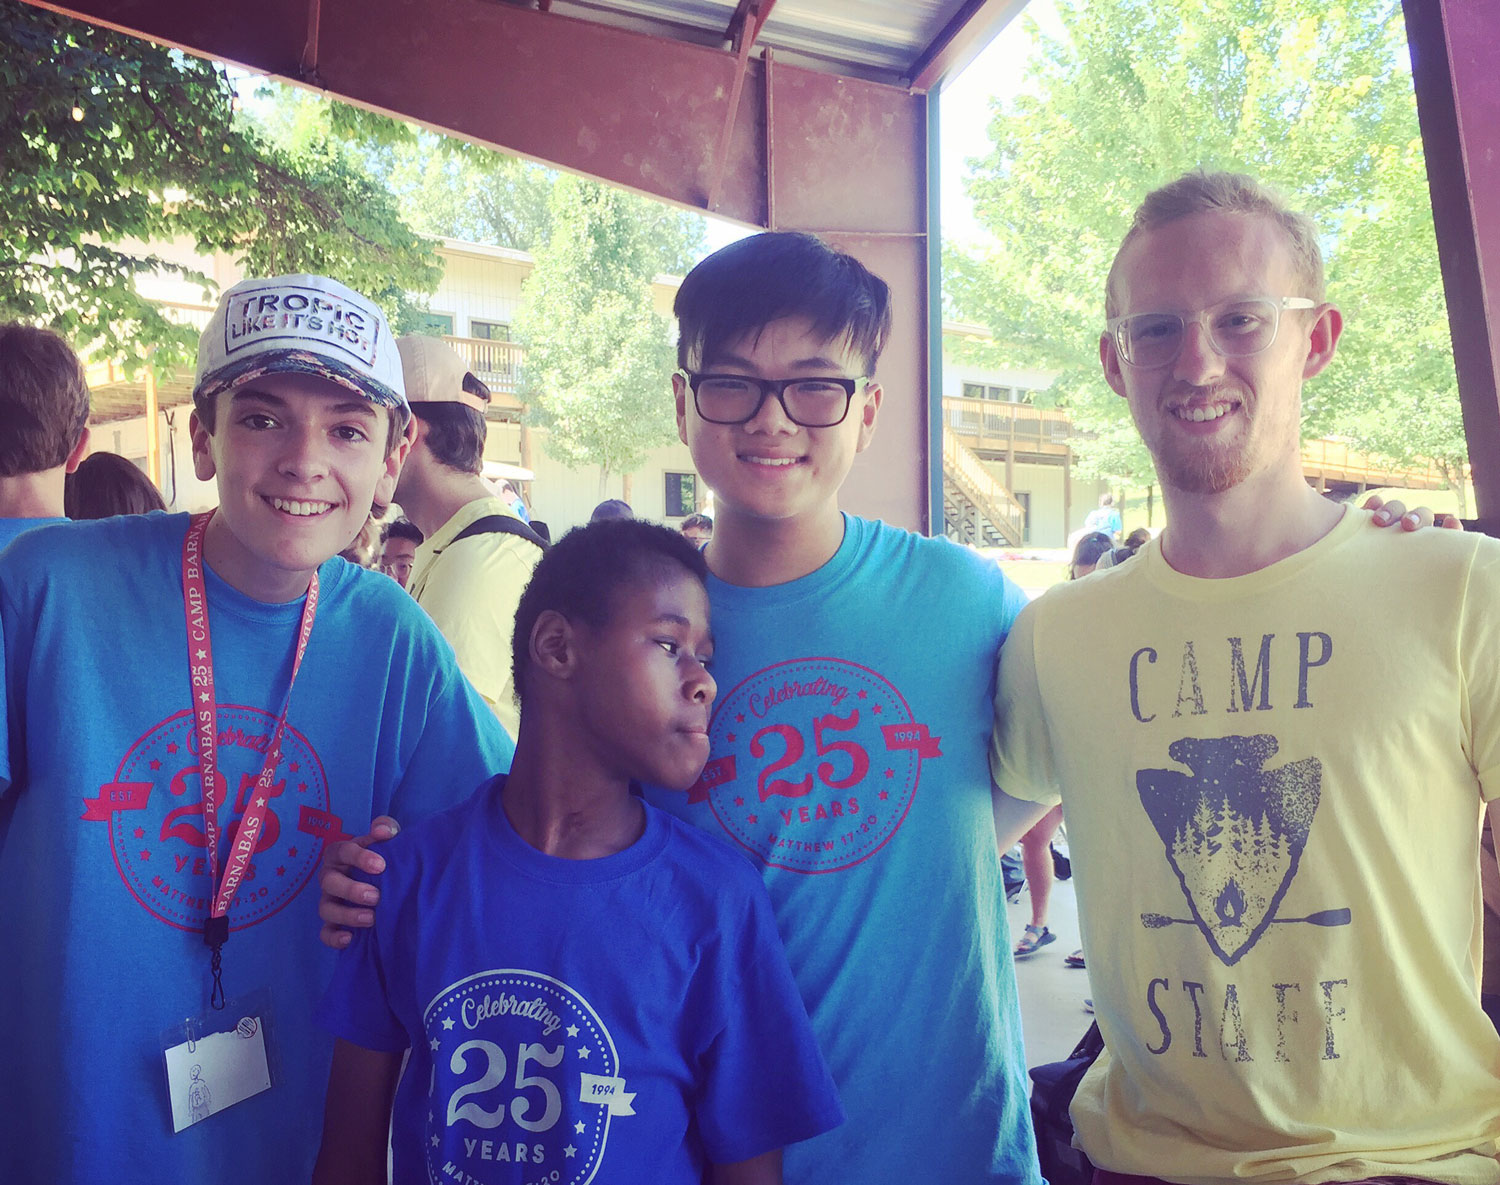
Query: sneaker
pixel 1075 959
pixel 1031 939
pixel 1088 1005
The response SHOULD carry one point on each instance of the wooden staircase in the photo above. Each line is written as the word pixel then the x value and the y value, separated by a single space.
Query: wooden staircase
pixel 977 509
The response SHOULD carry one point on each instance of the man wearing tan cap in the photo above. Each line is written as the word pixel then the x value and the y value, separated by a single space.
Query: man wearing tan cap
pixel 477 555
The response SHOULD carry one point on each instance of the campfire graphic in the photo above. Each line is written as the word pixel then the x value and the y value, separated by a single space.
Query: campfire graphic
pixel 1234 833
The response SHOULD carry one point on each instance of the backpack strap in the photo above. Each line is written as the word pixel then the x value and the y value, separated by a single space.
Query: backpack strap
pixel 502 524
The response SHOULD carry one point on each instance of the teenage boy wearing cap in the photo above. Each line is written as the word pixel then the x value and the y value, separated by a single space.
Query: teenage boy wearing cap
pixel 477 556
pixel 195 705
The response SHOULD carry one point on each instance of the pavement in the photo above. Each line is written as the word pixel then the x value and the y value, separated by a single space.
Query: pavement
pixel 1052 994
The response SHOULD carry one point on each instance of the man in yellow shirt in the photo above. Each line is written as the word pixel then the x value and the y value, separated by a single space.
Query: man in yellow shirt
pixel 1277 881
pixel 476 556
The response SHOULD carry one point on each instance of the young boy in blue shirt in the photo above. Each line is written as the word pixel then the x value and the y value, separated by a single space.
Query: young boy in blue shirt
pixel 194 706
pixel 584 984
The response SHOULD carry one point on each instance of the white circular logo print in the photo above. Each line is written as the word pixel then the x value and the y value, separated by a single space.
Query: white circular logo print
pixel 815 764
pixel 524 1073
pixel 154 810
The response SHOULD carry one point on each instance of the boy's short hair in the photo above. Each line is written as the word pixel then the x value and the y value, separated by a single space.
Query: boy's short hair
pixel 1198 192
pixel 401 528
pixel 300 325
pixel 742 288
pixel 696 522
pixel 583 574
pixel 455 435
pixel 44 400
pixel 446 396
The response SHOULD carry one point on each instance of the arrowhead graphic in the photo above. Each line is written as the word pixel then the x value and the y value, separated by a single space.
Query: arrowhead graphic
pixel 1233 831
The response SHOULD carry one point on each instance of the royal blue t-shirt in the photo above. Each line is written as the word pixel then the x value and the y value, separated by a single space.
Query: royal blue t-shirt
pixel 102 869
pixel 627 1019
pixel 850 743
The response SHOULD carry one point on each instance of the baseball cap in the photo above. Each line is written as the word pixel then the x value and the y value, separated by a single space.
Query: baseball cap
pixel 437 373
pixel 300 325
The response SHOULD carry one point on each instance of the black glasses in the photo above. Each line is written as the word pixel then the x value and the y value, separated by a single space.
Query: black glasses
pixel 737 399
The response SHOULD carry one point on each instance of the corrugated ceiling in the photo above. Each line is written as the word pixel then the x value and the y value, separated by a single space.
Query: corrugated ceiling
pixel 902 42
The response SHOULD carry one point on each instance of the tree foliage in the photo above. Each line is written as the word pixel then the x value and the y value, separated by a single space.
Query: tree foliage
pixel 161 155
pixel 599 358
pixel 1313 98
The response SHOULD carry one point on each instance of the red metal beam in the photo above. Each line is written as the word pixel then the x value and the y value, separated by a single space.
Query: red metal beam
pixel 743 29
pixel 970 30
pixel 1454 47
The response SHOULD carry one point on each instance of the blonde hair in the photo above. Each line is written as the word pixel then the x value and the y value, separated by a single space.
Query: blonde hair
pixel 1234 193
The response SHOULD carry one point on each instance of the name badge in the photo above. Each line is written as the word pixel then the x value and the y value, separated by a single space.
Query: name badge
pixel 218 1059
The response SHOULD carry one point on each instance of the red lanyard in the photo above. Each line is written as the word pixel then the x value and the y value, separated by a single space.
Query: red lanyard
pixel 205 706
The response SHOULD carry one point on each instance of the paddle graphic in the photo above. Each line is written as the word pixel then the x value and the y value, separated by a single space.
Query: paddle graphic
pixel 1324 917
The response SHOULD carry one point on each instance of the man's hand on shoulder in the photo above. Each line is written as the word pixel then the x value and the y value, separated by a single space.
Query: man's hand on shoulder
pixel 348 903
pixel 1392 512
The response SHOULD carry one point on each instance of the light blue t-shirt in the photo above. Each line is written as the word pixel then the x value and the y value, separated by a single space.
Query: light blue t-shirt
pixel 102 873
pixel 625 1020
pixel 850 760
pixel 12 527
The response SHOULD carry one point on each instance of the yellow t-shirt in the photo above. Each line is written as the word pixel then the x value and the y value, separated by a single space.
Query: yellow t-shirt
pixel 1272 791
pixel 470 590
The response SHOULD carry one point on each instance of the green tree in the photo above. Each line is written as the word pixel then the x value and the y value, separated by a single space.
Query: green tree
pixel 1315 99
pixel 159 154
pixel 599 358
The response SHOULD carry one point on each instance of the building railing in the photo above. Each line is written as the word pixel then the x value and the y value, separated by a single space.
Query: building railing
pixel 1335 460
pixel 992 498
pixel 995 424
pixel 497 363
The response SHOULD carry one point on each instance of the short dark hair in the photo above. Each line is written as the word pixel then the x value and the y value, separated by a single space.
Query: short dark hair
pixel 401 528
pixel 611 508
pixel 583 574
pixel 742 288
pixel 1090 548
pixel 44 400
pixel 107 484
pixel 701 521
pixel 455 434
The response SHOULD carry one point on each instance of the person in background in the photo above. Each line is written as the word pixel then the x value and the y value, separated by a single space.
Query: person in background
pixel 1036 844
pixel 1105 518
pixel 44 413
pixel 1134 541
pixel 399 541
pixel 106 484
pixel 477 555
pixel 512 496
pixel 698 528
pixel 364 550
pixel 611 508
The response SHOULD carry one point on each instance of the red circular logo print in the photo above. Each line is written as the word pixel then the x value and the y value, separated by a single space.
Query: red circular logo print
pixel 154 810
pixel 815 764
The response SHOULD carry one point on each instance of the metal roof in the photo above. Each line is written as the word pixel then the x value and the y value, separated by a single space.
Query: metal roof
pixel 913 43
